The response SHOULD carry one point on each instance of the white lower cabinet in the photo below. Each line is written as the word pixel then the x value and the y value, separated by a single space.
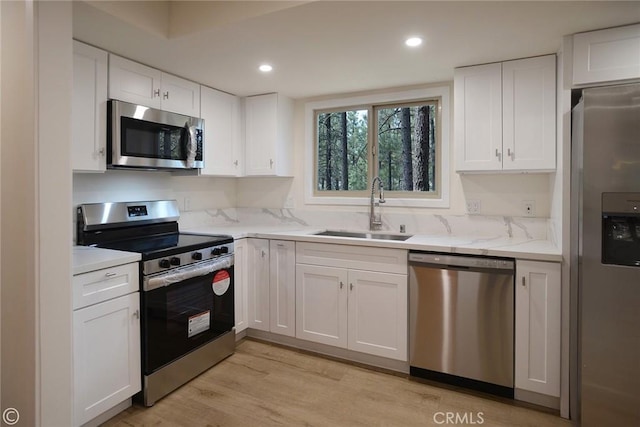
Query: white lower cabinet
pixel 258 281
pixel 361 310
pixel 106 347
pixel 240 284
pixel 282 287
pixel 377 316
pixel 271 283
pixel 321 302
pixel 537 331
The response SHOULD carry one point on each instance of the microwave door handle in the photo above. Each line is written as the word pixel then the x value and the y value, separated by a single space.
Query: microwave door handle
pixel 191 145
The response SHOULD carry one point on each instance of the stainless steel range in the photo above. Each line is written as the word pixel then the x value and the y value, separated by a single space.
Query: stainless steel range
pixel 186 284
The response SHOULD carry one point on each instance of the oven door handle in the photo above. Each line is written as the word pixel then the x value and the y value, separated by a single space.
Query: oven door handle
pixel 181 274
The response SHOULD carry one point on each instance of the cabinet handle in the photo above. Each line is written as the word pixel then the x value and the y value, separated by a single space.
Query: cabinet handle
pixel 523 281
pixel 270 163
pixel 350 286
pixel 165 95
pixel 498 155
pixel 101 151
pixel 235 163
pixel 156 93
pixel 341 285
pixel 511 154
pixel 136 314
pixel 110 274
pixel 263 254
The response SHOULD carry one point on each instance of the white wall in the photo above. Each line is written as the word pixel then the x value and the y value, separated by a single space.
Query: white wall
pixel 193 193
pixel 18 217
pixel 53 194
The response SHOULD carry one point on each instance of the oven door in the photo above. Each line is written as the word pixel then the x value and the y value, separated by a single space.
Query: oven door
pixel 185 308
pixel 144 137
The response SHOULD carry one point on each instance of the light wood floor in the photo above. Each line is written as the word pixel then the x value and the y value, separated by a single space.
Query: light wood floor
pixel 267 385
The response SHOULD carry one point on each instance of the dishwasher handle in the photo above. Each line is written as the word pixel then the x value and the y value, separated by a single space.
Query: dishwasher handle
pixel 444 261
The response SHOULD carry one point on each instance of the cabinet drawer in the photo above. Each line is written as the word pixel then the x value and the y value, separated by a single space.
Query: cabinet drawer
pixel 101 285
pixel 357 257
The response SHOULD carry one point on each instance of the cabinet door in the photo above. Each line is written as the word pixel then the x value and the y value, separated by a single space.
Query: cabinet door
pixel 180 95
pixel 606 55
pixel 261 133
pixel 106 342
pixel 282 258
pixel 529 113
pixel 133 82
pixel 223 150
pixel 240 284
pixel 321 304
pixel 378 314
pixel 89 109
pixel 258 281
pixel 537 353
pixel 478 118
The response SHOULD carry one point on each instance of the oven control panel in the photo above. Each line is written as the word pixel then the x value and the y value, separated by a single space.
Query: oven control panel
pixel 188 257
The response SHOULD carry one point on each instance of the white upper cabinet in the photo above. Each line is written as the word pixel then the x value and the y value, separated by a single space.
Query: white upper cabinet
pixel 505 115
pixel 222 133
pixel 606 55
pixel 529 114
pixel 136 83
pixel 89 108
pixel 478 117
pixel 133 82
pixel 180 95
pixel 269 135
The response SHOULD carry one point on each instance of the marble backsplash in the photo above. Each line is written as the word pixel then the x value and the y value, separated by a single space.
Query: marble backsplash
pixel 431 224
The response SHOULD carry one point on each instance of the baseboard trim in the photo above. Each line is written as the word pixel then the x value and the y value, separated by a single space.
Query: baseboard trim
pixel 341 354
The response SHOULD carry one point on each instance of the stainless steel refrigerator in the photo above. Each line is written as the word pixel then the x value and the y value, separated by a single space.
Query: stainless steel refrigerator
pixel 605 231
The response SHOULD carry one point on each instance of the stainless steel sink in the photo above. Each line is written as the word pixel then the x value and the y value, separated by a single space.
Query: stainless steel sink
pixel 364 235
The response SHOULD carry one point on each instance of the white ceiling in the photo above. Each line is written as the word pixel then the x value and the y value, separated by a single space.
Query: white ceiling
pixel 324 47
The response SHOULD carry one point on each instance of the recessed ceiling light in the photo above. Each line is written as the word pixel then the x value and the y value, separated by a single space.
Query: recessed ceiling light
pixel 265 68
pixel 413 41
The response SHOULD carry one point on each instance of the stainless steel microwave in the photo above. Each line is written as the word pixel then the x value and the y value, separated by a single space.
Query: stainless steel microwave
pixel 146 138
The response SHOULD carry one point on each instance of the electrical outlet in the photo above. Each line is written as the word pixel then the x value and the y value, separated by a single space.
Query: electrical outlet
pixel 474 206
pixel 529 208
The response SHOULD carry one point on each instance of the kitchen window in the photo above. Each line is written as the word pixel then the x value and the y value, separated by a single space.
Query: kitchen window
pixel 403 138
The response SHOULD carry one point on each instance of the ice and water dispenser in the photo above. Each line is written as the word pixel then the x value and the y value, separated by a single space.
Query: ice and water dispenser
pixel 621 229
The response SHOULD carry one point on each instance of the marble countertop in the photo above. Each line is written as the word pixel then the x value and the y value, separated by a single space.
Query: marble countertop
pixel 87 258
pixel 531 249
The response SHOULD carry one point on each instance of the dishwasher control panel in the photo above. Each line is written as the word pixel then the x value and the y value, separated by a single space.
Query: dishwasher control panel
pixel 461 261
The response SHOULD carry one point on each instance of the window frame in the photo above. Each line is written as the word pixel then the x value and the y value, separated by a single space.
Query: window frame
pixel 382 100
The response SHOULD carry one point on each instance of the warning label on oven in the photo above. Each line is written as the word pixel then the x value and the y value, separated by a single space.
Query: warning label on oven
pixel 221 282
pixel 199 323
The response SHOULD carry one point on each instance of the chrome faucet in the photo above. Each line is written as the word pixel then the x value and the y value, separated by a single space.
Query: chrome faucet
pixel 375 220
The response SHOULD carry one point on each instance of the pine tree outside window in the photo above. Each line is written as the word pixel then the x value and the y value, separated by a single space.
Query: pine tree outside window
pixel 403 149
pixel 402 136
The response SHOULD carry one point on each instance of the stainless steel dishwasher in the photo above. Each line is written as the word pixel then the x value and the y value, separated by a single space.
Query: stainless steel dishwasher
pixel 461 320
